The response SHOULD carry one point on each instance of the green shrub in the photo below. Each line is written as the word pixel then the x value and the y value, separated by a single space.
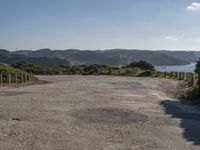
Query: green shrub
pixel 193 95
pixel 95 69
pixel 141 64
pixel 15 73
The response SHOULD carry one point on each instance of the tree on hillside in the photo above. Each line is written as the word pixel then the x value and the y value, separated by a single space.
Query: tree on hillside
pixel 141 64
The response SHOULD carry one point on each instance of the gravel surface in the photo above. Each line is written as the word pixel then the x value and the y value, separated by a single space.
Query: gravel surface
pixel 97 113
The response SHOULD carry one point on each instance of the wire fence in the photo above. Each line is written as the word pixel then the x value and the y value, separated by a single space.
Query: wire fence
pixel 189 78
pixel 8 78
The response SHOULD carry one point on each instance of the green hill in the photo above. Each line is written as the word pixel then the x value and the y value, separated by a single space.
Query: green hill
pixel 116 57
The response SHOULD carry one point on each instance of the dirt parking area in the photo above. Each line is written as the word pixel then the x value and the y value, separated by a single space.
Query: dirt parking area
pixel 97 113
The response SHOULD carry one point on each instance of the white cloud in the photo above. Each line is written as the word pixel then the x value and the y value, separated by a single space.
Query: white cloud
pixel 173 38
pixel 193 7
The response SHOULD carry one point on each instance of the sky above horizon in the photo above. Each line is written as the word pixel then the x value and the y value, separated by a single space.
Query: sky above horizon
pixel 100 24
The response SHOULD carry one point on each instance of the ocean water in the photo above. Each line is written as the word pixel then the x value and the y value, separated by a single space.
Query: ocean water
pixel 183 68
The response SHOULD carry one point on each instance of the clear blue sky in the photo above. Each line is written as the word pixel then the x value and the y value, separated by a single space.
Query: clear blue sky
pixel 100 24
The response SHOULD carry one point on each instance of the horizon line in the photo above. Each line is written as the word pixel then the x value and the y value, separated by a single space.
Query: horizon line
pixel 98 49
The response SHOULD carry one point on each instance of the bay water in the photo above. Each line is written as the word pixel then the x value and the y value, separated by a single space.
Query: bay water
pixel 181 68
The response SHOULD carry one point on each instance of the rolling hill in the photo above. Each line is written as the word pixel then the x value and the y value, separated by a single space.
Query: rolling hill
pixel 118 57
pixel 12 57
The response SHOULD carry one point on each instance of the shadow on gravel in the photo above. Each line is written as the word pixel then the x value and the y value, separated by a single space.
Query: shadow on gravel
pixel 190 121
pixel 109 116
pixel 13 93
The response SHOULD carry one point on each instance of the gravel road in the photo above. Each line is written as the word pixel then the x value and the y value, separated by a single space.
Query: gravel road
pixel 97 113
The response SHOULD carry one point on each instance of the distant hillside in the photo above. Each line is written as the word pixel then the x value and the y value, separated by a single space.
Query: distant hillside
pixel 12 57
pixel 118 57
pixel 184 55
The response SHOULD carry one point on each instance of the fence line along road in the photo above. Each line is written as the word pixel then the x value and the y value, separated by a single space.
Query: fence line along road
pixel 188 77
pixel 8 78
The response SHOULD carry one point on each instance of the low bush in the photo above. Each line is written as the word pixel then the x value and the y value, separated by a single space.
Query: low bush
pixel 6 69
pixel 95 69
pixel 141 64
pixel 192 95
pixel 14 74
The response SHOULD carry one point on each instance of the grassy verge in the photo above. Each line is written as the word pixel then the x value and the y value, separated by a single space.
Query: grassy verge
pixel 13 75
pixel 192 95
pixel 95 69
pixel 9 70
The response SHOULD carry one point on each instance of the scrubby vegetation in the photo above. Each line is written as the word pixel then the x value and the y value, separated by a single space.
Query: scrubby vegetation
pixel 6 69
pixel 39 69
pixel 141 64
pixel 10 74
pixel 193 94
pixel 140 68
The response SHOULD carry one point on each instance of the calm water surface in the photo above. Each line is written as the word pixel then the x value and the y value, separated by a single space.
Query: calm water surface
pixel 183 68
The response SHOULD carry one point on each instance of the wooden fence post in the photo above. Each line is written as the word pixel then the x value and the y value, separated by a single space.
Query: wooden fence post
pixel 31 75
pixel 176 75
pixel 16 80
pixel 192 79
pixel 9 78
pixel 1 79
pixel 179 76
pixel 186 77
pixel 25 77
pixel 28 77
pixel 22 78
pixel 189 79
pixel 182 75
